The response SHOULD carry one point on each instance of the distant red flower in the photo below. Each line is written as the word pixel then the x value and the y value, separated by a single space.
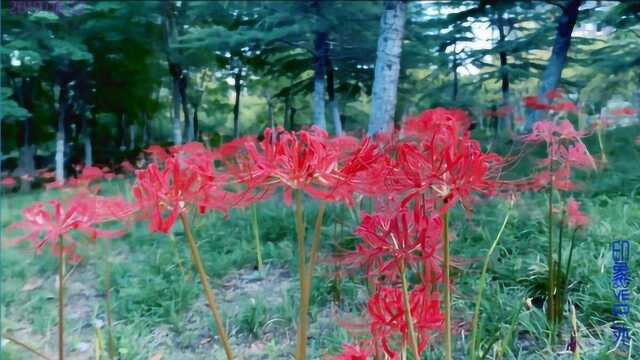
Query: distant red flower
pixel 157 152
pixel 532 102
pixel 625 111
pixel 8 182
pixel 567 106
pixel 354 352
pixel 555 94
pixel 437 123
pixel 388 322
pixel 45 225
pixel 127 167
pixel 576 218
pixel 637 140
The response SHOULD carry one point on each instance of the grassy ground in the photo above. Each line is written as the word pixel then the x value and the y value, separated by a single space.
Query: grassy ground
pixel 159 312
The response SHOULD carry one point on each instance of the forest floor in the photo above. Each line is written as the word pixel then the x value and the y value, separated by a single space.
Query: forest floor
pixel 159 311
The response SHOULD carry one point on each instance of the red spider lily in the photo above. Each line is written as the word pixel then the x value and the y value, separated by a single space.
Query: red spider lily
pixel 177 186
pixel 637 140
pixel 625 111
pixel 8 182
pixel 555 94
pixel 567 106
pixel 549 132
pixel 302 161
pixel 387 313
pixel 576 218
pixel 354 352
pixel 436 123
pixel 450 171
pixel 532 102
pixel 158 153
pixel 127 167
pixel 45 225
pixel 43 173
pixel 388 242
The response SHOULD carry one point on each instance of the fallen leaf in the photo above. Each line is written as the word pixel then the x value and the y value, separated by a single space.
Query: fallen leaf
pixel 32 284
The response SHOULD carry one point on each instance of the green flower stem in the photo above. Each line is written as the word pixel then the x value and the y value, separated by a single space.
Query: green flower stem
pixel 256 234
pixel 413 340
pixel 308 276
pixel 447 289
pixel 61 300
pixel 476 313
pixel 205 286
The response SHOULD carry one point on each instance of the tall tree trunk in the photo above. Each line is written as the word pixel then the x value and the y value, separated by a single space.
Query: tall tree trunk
pixel 506 116
pixel 132 136
pixel 287 109
pixel 26 152
pixel 319 59
pixel 175 71
pixel 387 69
pixel 557 61
pixel 188 120
pixel 63 100
pixel 146 130
pixel 196 126
pixel 454 95
pixel 86 140
pixel 122 132
pixel 333 103
pixel 292 116
pixel 236 106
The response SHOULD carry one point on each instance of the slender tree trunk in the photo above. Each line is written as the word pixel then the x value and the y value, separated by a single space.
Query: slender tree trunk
pixel 287 109
pixel 175 101
pixel 188 120
pixel 86 141
pixel 132 136
pixel 387 69
pixel 506 117
pixel 333 102
pixel 26 152
pixel 557 61
pixel 454 95
pixel 236 107
pixel 196 127
pixel 292 116
pixel 319 59
pixel 60 134
pixel 122 132
pixel 146 130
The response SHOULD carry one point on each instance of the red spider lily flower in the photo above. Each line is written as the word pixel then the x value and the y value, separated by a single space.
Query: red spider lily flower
pixel 8 182
pixel 436 123
pixel 532 102
pixel 555 94
pixel 158 153
pixel 560 179
pixel 291 160
pixel 388 242
pixel 576 218
pixel 567 106
pixel 127 167
pixel 625 111
pixel 43 173
pixel 549 132
pixel 387 313
pixel 54 185
pixel 578 156
pixel 637 140
pixel 354 352
pixel 45 225
pixel 176 187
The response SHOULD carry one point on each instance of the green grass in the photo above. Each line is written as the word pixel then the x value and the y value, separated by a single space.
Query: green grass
pixel 160 309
